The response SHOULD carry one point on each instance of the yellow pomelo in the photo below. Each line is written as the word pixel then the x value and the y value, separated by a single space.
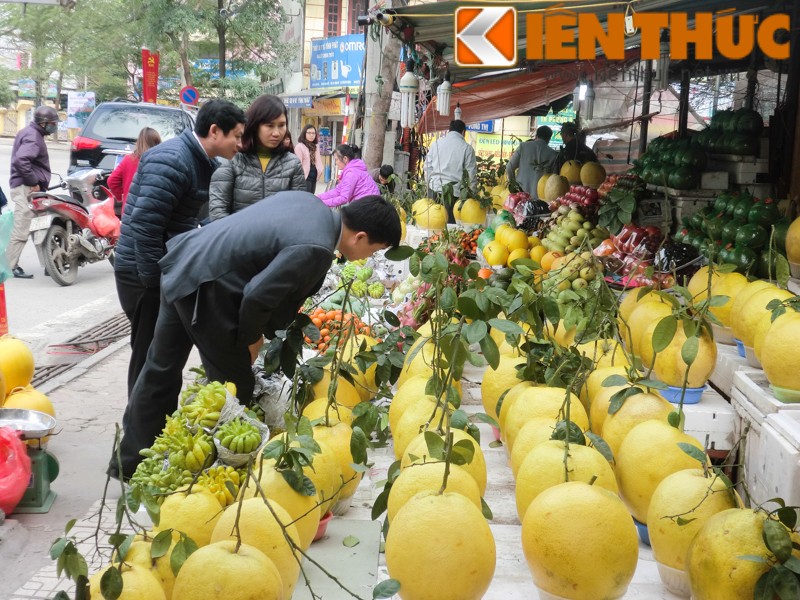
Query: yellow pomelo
pixel 744 295
pixel 509 399
pixel 337 438
pixel 502 344
pixel 194 514
pixel 534 432
pixel 727 284
pixel 744 328
pixel 516 254
pixel 544 468
pixel 669 366
pixel 636 409
pixel 555 187
pixel 259 528
pixel 495 253
pixel 594 383
pixel 572 171
pixel 29 398
pixel 564 337
pixel 793 242
pixel 763 325
pixel 542 402
pixel 140 554
pixel 426 329
pixel 598 407
pixel 336 413
pixel 417 362
pixel 642 316
pixel 222 571
pixel 364 381
pixel 604 353
pixel 467 566
pixel 497 381
pixel 570 551
pixel 517 240
pixel 593 174
pixel 407 394
pixel 779 356
pixel 631 299
pixel 719 548
pixel 537 251
pixel 476 467
pixel 501 232
pixel 303 509
pixel 473 213
pixel 430 216
pixel 648 454
pixel 541 184
pixel 696 498
pixel 424 414
pixel 16 363
pixel 698 285
pixel 138 583
pixel 429 477
pixel 346 393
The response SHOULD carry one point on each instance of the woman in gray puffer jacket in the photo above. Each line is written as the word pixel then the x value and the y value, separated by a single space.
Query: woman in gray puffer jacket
pixel 262 168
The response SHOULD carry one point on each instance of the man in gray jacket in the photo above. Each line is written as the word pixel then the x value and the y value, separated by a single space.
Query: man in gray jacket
pixel 226 285
pixel 30 172
pixel 531 160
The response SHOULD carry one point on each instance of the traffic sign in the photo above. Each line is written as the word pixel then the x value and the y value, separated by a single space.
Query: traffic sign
pixel 189 95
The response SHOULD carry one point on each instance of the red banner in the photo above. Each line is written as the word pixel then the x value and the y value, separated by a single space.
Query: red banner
pixel 149 76
pixel 3 314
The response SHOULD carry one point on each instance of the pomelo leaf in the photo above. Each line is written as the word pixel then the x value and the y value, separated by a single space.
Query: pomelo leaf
pixel 111 583
pixel 386 589
pixel 777 539
pixel 693 451
pixel 664 333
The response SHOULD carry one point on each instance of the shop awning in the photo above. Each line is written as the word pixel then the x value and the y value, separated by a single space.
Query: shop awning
pixel 305 98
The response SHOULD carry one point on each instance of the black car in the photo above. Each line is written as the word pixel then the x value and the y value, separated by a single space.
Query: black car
pixel 111 131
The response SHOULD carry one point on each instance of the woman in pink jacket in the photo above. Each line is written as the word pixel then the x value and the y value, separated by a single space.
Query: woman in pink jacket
pixel 308 153
pixel 354 180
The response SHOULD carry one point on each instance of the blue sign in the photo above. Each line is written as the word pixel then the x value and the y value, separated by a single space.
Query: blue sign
pixel 337 61
pixel 210 67
pixel 298 101
pixel 189 95
pixel 482 127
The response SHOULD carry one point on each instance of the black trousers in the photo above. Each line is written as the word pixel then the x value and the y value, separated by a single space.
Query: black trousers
pixel 140 305
pixel 155 395
pixel 311 180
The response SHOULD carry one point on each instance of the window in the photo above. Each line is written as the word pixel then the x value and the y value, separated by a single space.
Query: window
pixel 332 16
pixel 357 8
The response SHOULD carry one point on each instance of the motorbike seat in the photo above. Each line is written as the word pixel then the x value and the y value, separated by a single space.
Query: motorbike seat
pixel 63 197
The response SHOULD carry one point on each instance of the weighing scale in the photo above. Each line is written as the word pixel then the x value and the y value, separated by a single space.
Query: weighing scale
pixel 34 427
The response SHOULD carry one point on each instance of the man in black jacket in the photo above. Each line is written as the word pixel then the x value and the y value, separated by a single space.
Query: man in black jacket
pixel 228 284
pixel 167 193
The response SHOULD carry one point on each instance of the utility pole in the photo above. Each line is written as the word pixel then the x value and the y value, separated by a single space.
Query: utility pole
pixel 383 56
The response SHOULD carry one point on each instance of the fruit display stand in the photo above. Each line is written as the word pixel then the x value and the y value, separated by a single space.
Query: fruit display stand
pixel 728 363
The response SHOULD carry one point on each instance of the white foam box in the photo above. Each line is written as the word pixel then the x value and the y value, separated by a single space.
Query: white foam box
pixel 742 169
pixel 686 206
pixel 780 443
pixel 728 363
pixel 794 286
pixel 757 190
pixel 753 386
pixel 415 236
pixel 712 417
pixel 751 455
pixel 714 180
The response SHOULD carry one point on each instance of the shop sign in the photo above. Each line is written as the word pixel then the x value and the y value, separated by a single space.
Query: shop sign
pixel 555 122
pixel 483 126
pixel 494 144
pixel 322 107
pixel 325 141
pixel 337 61
pixel 298 101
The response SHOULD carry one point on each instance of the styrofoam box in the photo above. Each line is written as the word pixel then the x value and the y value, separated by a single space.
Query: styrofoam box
pixel 757 190
pixel 728 363
pixel 686 206
pixel 780 444
pixel 714 180
pixel 751 456
pixel 714 417
pixel 754 386
pixel 415 236
pixel 748 169
pixel 794 286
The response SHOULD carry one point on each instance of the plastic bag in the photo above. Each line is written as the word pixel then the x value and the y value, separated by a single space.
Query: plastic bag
pixel 6 225
pixel 15 469
pixel 105 220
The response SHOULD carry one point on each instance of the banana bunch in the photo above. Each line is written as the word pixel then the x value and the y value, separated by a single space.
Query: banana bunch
pixel 239 436
pixel 204 409
pixel 194 453
pixel 214 479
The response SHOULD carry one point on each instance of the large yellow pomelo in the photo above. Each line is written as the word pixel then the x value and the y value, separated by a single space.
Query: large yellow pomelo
pixel 728 284
pixel 572 171
pixel 594 383
pixel 744 295
pixel 259 528
pixel 463 572
pixel 140 554
pixel 642 316
pixel 194 514
pixel 346 393
pixel 16 363
pixel 648 454
pixel 694 497
pixel 337 437
pixel 598 408
pixel 138 583
pixel 425 413
pixel 417 451
pixel 722 546
pixel 544 468
pixel 699 284
pixel 604 353
pixel 631 299
pixel 430 216
pixel 669 366
pixel 779 356
pixel 472 212
pixel 495 253
pixel 570 551
pixel 542 402
pixel 429 477
pixel 304 511
pixel 536 431
pixel 744 328
pixel 793 242
pixel 555 187
pixel 221 571
pixel 321 408
pixel 412 389
pixel 636 409
pixel 592 174
pixel 509 399
pixel 542 184
pixel 497 381
pixel 417 362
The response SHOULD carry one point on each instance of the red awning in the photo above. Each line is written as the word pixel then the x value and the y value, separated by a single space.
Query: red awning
pixel 505 96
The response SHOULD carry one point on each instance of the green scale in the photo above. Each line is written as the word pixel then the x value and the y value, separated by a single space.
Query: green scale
pixel 34 426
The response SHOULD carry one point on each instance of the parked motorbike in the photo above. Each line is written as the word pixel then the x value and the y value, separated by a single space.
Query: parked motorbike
pixel 75 228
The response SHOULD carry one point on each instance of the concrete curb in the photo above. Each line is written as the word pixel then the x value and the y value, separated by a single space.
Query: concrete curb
pixel 83 366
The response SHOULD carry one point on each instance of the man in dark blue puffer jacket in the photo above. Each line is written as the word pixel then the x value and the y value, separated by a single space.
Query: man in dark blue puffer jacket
pixel 168 191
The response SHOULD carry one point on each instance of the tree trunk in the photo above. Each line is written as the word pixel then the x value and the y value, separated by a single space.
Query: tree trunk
pixel 221 31
pixel 60 82
pixel 378 101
